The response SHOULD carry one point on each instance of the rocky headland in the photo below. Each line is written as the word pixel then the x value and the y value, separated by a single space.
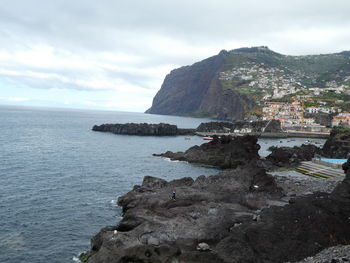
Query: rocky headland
pixel 147 129
pixel 242 214
pixel 197 91
pixel 235 84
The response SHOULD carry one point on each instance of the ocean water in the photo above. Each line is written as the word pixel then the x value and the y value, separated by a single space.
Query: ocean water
pixel 59 180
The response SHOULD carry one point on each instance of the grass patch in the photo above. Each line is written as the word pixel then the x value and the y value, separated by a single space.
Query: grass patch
pixel 84 257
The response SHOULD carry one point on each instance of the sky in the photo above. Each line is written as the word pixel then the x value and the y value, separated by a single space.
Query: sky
pixel 114 55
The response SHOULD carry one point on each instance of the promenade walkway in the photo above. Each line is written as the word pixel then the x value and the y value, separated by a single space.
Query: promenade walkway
pixel 270 134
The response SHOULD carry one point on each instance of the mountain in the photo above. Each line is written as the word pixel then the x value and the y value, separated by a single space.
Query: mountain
pixel 236 83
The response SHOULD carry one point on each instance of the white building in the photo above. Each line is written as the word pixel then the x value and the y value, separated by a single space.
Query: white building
pixel 312 110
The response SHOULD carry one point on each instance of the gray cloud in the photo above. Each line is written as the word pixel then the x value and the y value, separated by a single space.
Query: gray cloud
pixel 81 37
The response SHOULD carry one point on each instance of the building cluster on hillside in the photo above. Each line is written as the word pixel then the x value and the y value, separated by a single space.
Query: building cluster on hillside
pixel 324 109
pixel 342 119
pixel 289 114
pixel 276 82
pixel 293 114
pixel 272 83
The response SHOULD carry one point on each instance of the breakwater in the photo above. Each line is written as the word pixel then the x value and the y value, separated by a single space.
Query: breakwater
pixel 160 129
pixel 270 134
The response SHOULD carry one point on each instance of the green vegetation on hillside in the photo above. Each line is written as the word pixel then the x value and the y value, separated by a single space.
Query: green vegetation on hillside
pixel 260 72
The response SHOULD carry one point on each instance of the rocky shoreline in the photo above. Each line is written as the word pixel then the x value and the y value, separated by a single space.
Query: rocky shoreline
pixel 242 214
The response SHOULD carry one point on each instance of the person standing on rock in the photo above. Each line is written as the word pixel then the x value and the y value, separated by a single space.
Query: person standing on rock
pixel 174 195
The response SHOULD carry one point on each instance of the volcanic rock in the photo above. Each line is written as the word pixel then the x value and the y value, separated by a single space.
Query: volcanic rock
pixel 160 129
pixel 224 152
pixel 156 228
pixel 291 156
pixel 292 232
pixel 338 144
pixel 197 91
pixel 230 215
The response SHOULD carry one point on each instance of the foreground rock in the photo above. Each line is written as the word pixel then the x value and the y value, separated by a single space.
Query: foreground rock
pixel 223 218
pixel 338 144
pixel 226 152
pixel 161 129
pixel 292 232
pixel 156 228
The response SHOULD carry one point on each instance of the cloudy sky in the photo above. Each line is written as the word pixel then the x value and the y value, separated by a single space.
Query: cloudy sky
pixel 114 54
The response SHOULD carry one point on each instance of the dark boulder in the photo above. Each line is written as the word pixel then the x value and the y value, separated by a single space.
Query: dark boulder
pixel 156 228
pixel 338 144
pixel 224 152
pixel 290 233
pixel 291 156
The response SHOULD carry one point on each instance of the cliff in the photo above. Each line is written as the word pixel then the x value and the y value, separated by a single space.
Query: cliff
pixel 236 83
pixel 197 91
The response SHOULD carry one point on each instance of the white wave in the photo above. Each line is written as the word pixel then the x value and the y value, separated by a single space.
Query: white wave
pixel 114 202
pixel 173 161
pixel 76 259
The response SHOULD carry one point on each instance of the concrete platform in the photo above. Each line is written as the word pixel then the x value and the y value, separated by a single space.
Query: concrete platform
pixel 319 170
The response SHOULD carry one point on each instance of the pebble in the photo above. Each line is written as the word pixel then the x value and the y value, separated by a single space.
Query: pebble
pixel 203 247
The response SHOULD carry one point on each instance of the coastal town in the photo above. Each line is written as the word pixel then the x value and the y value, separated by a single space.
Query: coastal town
pixel 293 115
pixel 298 100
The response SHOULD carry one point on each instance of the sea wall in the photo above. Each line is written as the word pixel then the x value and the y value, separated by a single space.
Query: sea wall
pixel 270 134
pixel 272 126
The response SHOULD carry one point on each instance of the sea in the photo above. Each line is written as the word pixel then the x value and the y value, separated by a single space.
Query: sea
pixel 60 181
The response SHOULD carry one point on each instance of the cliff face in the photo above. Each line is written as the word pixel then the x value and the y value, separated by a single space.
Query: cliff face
pixel 236 83
pixel 197 91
